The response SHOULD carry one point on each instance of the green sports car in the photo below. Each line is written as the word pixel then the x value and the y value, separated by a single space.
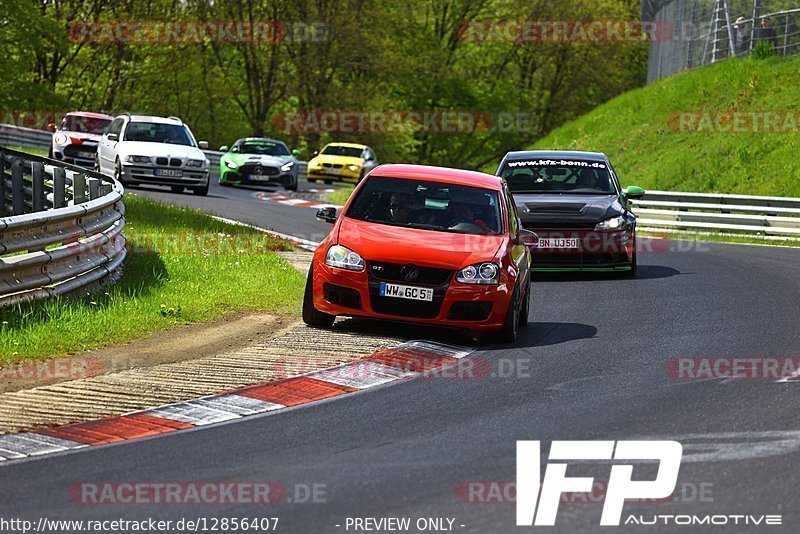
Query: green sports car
pixel 255 160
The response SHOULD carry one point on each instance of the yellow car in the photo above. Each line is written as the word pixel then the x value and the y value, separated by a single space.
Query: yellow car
pixel 341 162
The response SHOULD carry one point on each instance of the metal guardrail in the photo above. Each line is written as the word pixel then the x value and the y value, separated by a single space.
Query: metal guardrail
pixel 740 214
pixel 63 232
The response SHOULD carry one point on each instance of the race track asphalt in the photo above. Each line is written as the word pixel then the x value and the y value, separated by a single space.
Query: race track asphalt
pixel 593 365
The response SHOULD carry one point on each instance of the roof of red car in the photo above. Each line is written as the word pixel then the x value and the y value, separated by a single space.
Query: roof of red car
pixel 90 114
pixel 439 174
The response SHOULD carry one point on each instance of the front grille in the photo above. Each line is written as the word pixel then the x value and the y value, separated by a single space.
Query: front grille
pixel 71 151
pixel 175 162
pixel 343 296
pixel 162 161
pixel 259 170
pixel 393 272
pixel 415 309
pixel 333 165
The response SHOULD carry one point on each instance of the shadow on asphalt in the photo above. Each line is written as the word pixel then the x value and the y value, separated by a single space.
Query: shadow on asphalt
pixel 547 334
pixel 645 272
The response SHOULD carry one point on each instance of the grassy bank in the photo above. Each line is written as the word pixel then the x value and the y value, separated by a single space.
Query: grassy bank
pixel 673 134
pixel 182 267
pixel 340 195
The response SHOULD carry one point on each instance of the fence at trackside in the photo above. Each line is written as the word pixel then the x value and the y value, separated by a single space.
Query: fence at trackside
pixel 775 217
pixel 11 135
pixel 60 230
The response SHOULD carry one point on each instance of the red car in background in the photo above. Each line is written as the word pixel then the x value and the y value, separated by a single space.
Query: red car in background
pixel 76 138
pixel 426 245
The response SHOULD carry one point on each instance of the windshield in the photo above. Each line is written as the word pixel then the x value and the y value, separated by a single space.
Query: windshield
pixel 558 176
pixel 153 132
pixel 428 206
pixel 78 123
pixel 339 150
pixel 265 149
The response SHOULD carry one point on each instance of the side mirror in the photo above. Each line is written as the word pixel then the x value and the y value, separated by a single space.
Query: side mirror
pixel 113 137
pixel 328 215
pixel 296 153
pixel 528 238
pixel 633 191
pixel 223 148
pixel 315 153
pixel 203 145
pixel 51 127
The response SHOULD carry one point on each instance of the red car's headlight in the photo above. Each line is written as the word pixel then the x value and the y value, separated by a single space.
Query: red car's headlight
pixel 481 273
pixel 344 258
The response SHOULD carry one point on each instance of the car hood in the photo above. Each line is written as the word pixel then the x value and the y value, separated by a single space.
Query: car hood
pixel 342 160
pixel 552 210
pixel 143 148
pixel 394 244
pixel 261 159
pixel 83 136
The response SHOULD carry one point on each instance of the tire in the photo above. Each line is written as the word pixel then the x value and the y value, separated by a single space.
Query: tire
pixel 631 273
pixel 292 186
pixel 96 164
pixel 312 180
pixel 201 191
pixel 311 315
pixel 118 172
pixel 524 311
pixel 328 182
pixel 508 334
pixel 361 176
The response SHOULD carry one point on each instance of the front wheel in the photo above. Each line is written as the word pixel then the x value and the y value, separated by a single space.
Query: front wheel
pixel 311 315
pixel 510 330
pixel 634 262
pixel 292 186
pixel 201 191
pixel 524 312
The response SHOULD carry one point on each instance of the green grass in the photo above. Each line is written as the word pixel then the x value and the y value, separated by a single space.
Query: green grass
pixel 182 267
pixel 34 151
pixel 340 195
pixel 640 132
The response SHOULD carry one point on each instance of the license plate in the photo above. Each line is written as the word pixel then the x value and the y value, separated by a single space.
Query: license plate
pixel 257 178
pixel 406 292
pixel 86 155
pixel 559 242
pixel 174 173
pixel 333 171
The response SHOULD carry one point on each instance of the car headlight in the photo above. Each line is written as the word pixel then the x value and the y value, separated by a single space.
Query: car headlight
pixel 613 223
pixel 137 159
pixel 230 164
pixel 480 273
pixel 287 167
pixel 313 163
pixel 60 139
pixel 353 168
pixel 195 163
pixel 344 258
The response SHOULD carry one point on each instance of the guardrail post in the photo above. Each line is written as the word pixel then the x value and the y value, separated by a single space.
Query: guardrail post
pixel 78 188
pixel 2 181
pixel 59 187
pixel 94 188
pixel 37 178
pixel 105 189
pixel 17 185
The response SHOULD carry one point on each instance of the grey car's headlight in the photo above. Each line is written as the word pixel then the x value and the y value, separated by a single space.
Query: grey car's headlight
pixel 137 159
pixel 480 273
pixel 344 258
pixel 230 164
pixel 287 166
pixel 195 163
pixel 613 223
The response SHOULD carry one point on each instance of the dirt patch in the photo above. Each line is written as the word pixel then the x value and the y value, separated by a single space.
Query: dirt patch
pixel 186 342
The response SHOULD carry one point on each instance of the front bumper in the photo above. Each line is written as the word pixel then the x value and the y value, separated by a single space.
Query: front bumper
pixel 233 176
pixel 596 251
pixel 82 155
pixel 341 174
pixel 356 294
pixel 146 174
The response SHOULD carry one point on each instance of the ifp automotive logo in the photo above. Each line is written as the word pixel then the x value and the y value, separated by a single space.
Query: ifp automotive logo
pixel 620 484
pixel 537 500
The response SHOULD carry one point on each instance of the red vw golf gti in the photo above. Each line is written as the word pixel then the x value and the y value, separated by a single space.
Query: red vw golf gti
pixel 425 245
